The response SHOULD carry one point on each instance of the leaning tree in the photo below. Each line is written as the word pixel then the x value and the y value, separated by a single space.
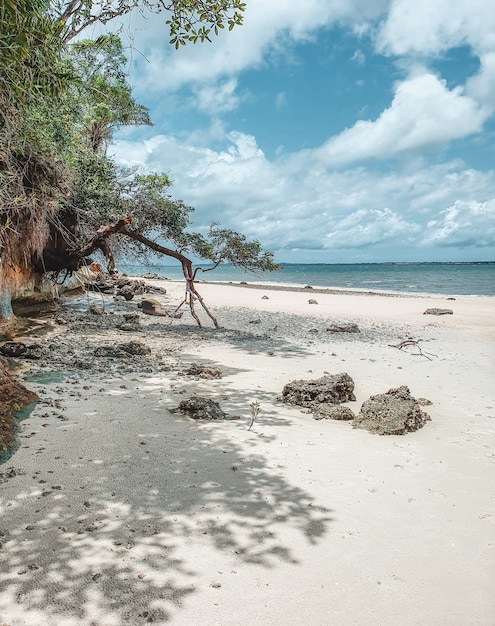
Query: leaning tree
pixel 144 217
pixel 61 98
pixel 111 208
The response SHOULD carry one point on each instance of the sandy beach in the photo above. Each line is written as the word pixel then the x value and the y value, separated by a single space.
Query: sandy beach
pixel 117 511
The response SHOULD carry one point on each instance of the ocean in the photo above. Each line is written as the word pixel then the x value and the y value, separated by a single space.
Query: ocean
pixel 470 279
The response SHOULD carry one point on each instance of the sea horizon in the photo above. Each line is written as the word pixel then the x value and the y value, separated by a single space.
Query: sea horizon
pixel 468 278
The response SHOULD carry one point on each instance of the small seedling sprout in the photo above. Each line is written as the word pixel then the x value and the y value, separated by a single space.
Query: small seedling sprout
pixel 255 410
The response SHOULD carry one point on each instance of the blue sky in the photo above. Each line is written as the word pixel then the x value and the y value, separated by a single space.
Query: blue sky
pixel 329 130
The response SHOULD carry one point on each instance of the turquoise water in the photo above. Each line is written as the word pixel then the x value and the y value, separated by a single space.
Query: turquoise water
pixel 47 378
pixel 441 278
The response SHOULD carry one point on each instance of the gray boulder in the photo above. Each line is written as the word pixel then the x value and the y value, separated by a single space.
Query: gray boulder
pixel 127 291
pixel 333 412
pixel 13 348
pixel 438 312
pixel 330 389
pixel 395 412
pixel 200 408
pixel 150 306
pixel 203 371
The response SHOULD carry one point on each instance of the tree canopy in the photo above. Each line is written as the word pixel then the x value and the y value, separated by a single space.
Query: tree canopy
pixel 61 100
pixel 188 20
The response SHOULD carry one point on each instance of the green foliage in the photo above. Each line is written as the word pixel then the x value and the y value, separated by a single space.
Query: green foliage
pixel 232 247
pixel 60 105
pixel 190 20
pixel 154 211
pixel 194 21
pixel 96 194
pixel 30 48
pixel 101 95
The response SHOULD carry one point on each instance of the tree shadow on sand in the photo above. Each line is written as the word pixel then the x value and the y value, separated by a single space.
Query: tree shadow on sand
pixel 113 532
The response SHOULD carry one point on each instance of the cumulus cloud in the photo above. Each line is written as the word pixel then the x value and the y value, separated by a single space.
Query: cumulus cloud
pixel 295 202
pixel 429 27
pixel 423 113
pixel 329 198
pixel 465 223
pixel 481 87
pixel 216 98
pixel 367 227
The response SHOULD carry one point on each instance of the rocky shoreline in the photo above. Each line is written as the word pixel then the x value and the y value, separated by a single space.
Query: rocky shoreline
pixel 106 331
pixel 161 477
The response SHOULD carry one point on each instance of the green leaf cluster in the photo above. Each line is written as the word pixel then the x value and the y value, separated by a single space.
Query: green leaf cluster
pixel 195 20
pixel 189 21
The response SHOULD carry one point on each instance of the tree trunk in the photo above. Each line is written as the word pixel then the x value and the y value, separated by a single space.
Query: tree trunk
pixel 6 304
pixel 191 292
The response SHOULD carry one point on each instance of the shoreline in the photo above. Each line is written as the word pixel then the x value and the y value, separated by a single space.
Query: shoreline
pixel 449 278
pixel 298 287
pixel 343 291
pixel 122 512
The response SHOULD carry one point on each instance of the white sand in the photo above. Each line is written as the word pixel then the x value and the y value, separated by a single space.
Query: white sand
pixel 160 519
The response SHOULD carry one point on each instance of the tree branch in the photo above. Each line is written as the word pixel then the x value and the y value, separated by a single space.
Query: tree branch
pixel 101 234
pixel 187 270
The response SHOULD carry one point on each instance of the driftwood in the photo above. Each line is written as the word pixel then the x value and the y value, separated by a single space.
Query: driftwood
pixel 415 343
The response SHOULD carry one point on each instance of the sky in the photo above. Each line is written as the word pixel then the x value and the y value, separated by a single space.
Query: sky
pixel 332 131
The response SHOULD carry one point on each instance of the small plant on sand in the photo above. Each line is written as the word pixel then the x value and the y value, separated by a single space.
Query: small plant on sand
pixel 255 410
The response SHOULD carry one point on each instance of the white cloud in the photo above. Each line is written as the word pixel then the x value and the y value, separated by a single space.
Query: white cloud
pixel 423 114
pixel 295 202
pixel 268 27
pixel 216 98
pixel 244 147
pixel 366 227
pixel 465 223
pixel 482 85
pixel 429 27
